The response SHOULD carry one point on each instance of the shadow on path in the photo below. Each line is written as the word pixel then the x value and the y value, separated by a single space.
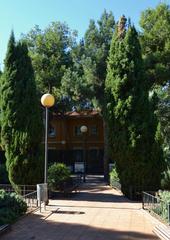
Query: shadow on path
pixel 98 197
pixel 99 207
pixel 35 228
pixel 88 219
pixel 95 190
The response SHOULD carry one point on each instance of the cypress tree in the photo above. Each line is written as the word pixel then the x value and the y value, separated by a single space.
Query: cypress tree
pixel 21 125
pixel 134 134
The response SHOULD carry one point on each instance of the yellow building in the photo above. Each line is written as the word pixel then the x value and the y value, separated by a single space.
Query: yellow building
pixel 67 144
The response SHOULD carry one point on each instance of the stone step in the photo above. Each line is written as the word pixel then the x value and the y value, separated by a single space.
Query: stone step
pixel 4 228
pixel 162 231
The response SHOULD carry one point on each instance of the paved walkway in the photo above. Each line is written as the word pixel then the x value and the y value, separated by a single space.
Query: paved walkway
pixel 96 213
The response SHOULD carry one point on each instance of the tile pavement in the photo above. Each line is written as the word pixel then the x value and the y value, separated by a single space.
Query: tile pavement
pixel 96 213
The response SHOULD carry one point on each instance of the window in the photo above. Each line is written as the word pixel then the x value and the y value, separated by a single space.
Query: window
pixel 51 131
pixel 93 130
pixel 77 130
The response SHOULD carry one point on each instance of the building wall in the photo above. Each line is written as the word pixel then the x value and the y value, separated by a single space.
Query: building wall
pixel 70 148
pixel 68 145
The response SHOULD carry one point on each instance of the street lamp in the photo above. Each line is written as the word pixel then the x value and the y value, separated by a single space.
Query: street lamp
pixel 83 130
pixel 47 100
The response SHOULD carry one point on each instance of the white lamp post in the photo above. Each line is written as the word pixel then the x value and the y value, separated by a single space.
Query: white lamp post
pixel 83 130
pixel 47 100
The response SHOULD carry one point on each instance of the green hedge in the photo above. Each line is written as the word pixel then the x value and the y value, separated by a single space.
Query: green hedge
pixel 162 208
pixel 12 206
pixel 58 173
pixel 114 179
pixel 165 182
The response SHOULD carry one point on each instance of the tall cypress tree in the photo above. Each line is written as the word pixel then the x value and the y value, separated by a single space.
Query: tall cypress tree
pixel 21 125
pixel 133 127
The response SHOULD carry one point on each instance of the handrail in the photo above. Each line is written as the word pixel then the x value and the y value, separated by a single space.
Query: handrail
pixel 31 200
pixel 156 205
pixel 23 188
pixel 28 194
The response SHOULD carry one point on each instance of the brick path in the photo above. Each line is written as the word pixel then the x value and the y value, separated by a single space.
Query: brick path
pixel 96 213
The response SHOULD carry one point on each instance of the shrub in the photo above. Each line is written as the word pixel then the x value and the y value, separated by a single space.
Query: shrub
pixel 58 173
pixel 114 179
pixel 164 195
pixel 165 182
pixel 11 207
pixel 162 208
pixel 3 174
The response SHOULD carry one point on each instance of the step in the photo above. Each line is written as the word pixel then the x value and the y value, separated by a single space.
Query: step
pixel 4 228
pixel 162 231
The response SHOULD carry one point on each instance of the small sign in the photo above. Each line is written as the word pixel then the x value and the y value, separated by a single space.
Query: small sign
pixel 79 167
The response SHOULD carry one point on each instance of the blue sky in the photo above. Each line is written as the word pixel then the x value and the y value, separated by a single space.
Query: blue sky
pixel 22 15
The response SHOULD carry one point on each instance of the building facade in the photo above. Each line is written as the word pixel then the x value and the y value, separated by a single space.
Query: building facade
pixel 67 144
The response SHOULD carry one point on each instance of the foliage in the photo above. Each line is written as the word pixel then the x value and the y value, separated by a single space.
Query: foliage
pixel 155 25
pixel 134 133
pixel 97 42
pixel 165 182
pixel 163 113
pixel 21 124
pixel 162 208
pixel 3 174
pixel 58 173
pixel 114 175
pixel 50 53
pixel 12 206
pixel 114 178
pixel 84 81
pixel 75 90
pixel 164 196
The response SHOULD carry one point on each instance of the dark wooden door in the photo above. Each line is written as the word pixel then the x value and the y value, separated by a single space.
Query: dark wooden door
pixel 94 161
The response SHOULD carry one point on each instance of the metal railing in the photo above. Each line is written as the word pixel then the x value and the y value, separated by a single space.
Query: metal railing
pixel 22 189
pixel 31 200
pixel 135 191
pixel 27 192
pixel 156 205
